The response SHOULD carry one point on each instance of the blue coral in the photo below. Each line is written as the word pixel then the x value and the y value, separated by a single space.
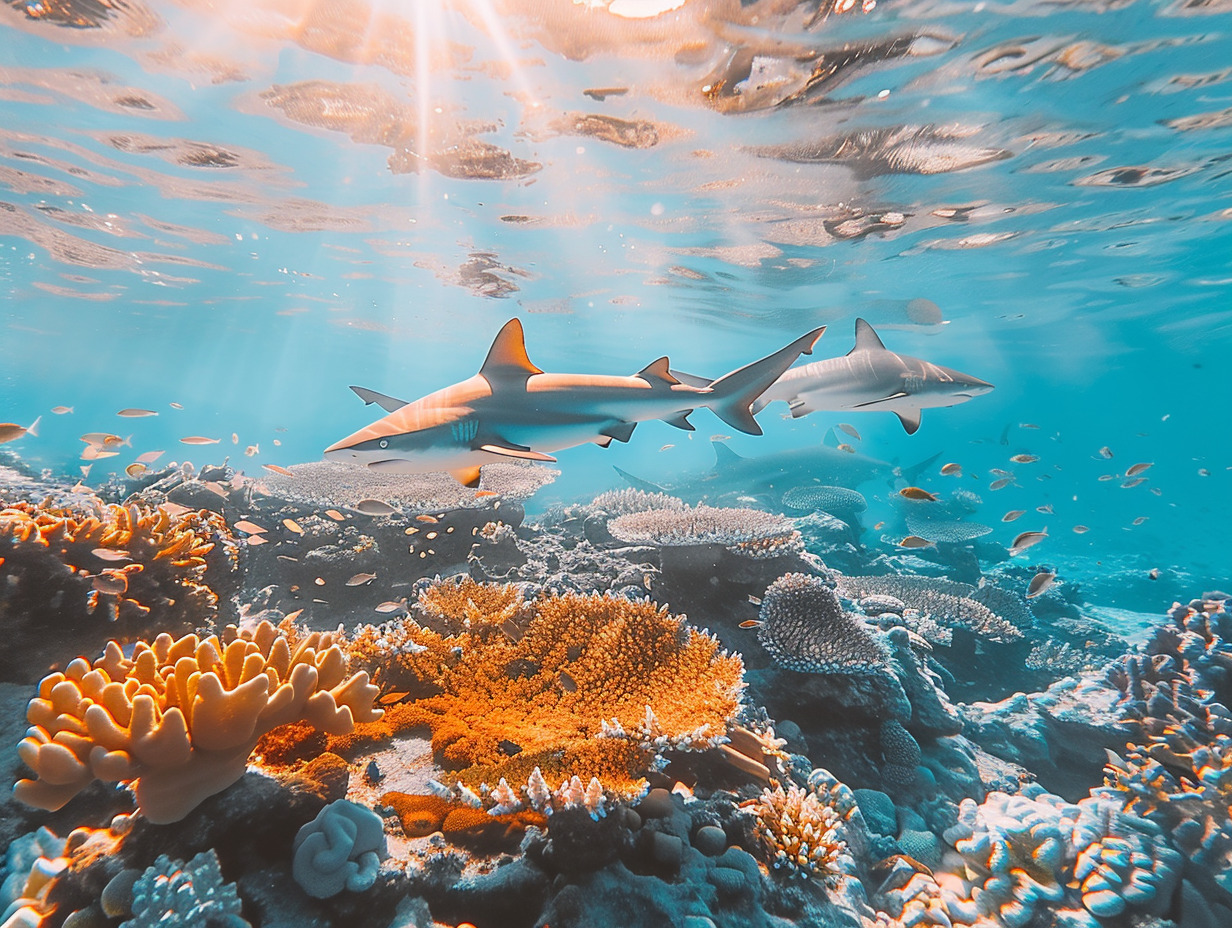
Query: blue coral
pixel 342 848
pixel 174 894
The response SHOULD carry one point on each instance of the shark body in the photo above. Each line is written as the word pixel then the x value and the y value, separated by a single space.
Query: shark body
pixel 771 475
pixel 869 378
pixel 513 410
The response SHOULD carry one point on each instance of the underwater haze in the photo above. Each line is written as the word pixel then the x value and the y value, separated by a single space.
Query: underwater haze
pixel 216 218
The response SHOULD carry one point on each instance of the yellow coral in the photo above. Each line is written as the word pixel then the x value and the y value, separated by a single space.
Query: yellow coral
pixel 594 686
pixel 179 718
pixel 799 831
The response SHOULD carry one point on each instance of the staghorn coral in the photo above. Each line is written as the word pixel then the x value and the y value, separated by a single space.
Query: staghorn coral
pixel 805 628
pixel 749 532
pixel 174 894
pixel 94 571
pixel 944 601
pixel 591 686
pixel 178 719
pixel 799 832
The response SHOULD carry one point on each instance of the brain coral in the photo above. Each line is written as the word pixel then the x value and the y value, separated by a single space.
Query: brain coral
pixel 750 532
pixel 339 849
pixel 178 719
pixel 804 627
pixel 588 686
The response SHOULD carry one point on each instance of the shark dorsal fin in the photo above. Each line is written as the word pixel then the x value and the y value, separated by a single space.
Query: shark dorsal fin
pixel 507 357
pixel 724 456
pixel 387 403
pixel 658 371
pixel 866 338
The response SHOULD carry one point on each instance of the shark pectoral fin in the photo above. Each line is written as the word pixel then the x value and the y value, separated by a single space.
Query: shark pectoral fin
pixel 514 451
pixel 910 420
pixel 681 421
pixel 658 372
pixel 621 431
pixel 866 338
pixel 691 380
pixel 799 408
pixel 467 476
pixel 507 357
pixel 387 403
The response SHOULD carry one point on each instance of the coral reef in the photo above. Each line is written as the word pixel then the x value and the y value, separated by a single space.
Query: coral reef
pixel 175 894
pixel 750 532
pixel 799 831
pixel 177 719
pixel 96 571
pixel 804 627
pixel 341 848
pixel 944 601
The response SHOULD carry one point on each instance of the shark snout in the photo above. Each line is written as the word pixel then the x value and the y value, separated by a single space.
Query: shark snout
pixel 975 387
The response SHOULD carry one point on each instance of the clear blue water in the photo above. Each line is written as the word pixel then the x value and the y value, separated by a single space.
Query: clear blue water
pixel 253 286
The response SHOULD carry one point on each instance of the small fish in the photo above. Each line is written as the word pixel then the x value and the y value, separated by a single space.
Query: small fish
pixel 175 510
pixel 388 699
pixel 235 438
pixel 755 600
pixel 61 410
pixel 1013 514
pixel 1136 469
pixel 374 507
pixel 110 554
pixel 917 493
pixel 1203 472
pixel 484 494
pixel 135 469
pixel 293 526
pixel 1105 453
pixel 1027 425
pixel 1001 483
pixel 277 443
pixel 846 447
pixel 199 440
pixel 335 515
pixel 1156 491
pixel 288 559
pixel 248 528
pixel 427 518
pixel 176 406
pixel 149 457
pixel 567 683
pixel 1026 540
pixel 720 437
pixel 94 452
pixel 361 579
pixel 915 541
pixel 1002 473
pixel 1025 458
pixel 1040 583
pixel 1106 477
pixel 252 451
pixel 850 430
pixel 410 530
pixel 1140 520
pixel 750 623
pixel 386 608
pixel 277 469
pixel 1132 482
pixel 256 539
pixel 103 439
pixel 509 747
pixel 952 470
pixel 136 413
pixel 1045 509
pixel 879 526
pixel 1081 529
pixel 1154 573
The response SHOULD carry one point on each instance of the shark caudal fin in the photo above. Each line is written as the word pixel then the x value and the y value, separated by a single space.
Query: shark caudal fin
pixel 733 395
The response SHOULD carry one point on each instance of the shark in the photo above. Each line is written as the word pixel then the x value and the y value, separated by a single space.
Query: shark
pixel 512 410
pixel 870 377
pixel 771 475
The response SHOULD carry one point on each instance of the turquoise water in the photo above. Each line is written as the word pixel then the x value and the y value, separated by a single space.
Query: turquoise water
pixel 175 237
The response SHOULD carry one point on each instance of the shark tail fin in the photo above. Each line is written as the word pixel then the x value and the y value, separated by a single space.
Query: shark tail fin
pixel 733 395
pixel 638 482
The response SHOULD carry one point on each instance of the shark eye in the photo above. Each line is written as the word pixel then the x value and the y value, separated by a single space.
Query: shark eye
pixel 384 443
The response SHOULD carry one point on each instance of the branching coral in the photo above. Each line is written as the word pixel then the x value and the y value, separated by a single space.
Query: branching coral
pixel 175 894
pixel 799 832
pixel 623 502
pixel 178 719
pixel 77 567
pixel 750 532
pixel 590 686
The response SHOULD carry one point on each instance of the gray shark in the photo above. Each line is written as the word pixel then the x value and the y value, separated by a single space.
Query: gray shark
pixel 870 377
pixel 513 410
pixel 771 475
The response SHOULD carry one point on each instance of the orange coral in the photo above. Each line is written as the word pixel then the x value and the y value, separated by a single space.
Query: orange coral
pixel 422 815
pixel 594 686
pixel 179 718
